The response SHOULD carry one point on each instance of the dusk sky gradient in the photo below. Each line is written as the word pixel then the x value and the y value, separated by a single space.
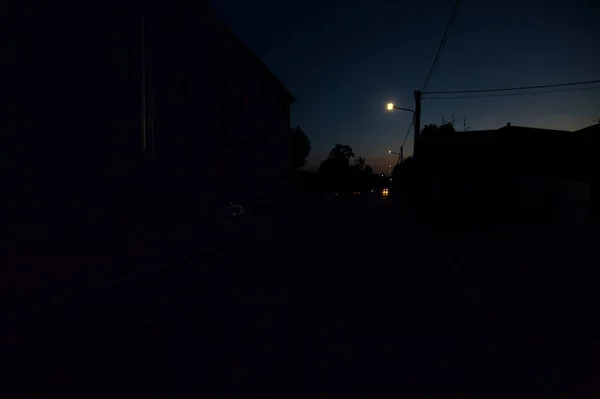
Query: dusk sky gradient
pixel 344 61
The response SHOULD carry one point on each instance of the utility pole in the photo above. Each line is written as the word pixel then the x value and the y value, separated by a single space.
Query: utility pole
pixel 453 119
pixel 417 121
pixel 144 117
pixel 147 88
pixel 401 154
pixel 418 184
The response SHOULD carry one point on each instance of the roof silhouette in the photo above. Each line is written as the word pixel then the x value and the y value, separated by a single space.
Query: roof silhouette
pixel 245 47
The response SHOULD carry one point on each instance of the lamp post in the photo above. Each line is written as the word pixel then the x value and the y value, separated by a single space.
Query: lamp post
pixel 391 107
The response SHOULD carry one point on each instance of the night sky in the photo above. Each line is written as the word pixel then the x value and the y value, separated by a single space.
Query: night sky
pixel 344 61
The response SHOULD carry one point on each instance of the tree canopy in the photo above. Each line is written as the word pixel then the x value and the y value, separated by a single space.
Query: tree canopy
pixel 340 174
pixel 341 152
pixel 361 167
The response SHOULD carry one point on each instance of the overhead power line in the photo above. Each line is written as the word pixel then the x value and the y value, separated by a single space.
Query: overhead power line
pixel 513 88
pixel 442 43
pixel 408 131
pixel 406 137
pixel 512 94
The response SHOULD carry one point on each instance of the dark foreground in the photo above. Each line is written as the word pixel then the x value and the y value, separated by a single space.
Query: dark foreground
pixel 345 299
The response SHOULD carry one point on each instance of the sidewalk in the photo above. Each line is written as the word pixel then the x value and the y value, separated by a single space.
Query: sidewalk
pixel 47 268
pixel 40 269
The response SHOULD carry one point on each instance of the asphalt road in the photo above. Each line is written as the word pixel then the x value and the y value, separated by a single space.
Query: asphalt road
pixel 354 297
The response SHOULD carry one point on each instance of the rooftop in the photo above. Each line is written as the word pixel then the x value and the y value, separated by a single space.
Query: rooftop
pixel 243 45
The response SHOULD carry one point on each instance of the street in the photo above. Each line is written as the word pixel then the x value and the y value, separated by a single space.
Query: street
pixel 348 297
pixel 278 199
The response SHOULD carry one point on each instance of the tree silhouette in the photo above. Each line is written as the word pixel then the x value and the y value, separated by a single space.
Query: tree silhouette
pixel 362 175
pixel 336 170
pixel 361 167
pixel 338 174
pixel 338 160
pixel 301 147
pixel 334 167
pixel 359 164
pixel 342 153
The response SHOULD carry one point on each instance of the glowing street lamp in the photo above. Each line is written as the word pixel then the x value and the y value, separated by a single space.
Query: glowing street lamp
pixel 391 107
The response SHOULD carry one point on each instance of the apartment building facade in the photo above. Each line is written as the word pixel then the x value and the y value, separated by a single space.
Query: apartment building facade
pixel 141 97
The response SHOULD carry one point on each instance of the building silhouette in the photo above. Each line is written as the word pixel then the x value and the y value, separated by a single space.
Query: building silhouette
pixel 513 165
pixel 137 110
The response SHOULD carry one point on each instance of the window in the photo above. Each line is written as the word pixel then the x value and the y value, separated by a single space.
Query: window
pixel 235 93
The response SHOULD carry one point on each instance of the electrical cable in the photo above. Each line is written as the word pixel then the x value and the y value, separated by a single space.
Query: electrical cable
pixel 405 138
pixel 442 44
pixel 511 94
pixel 408 131
pixel 513 88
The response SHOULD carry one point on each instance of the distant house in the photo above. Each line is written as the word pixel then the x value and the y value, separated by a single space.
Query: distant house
pixel 501 165
pixel 591 138
pixel 518 149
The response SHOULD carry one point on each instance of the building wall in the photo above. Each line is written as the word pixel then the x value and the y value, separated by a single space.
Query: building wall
pixel 518 173
pixel 221 118
pixel 519 199
pixel 515 150
pixel 75 113
pixel 76 90
pixel 255 135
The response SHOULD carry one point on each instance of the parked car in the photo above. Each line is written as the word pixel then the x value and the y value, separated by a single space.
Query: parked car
pixel 228 210
pixel 331 196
